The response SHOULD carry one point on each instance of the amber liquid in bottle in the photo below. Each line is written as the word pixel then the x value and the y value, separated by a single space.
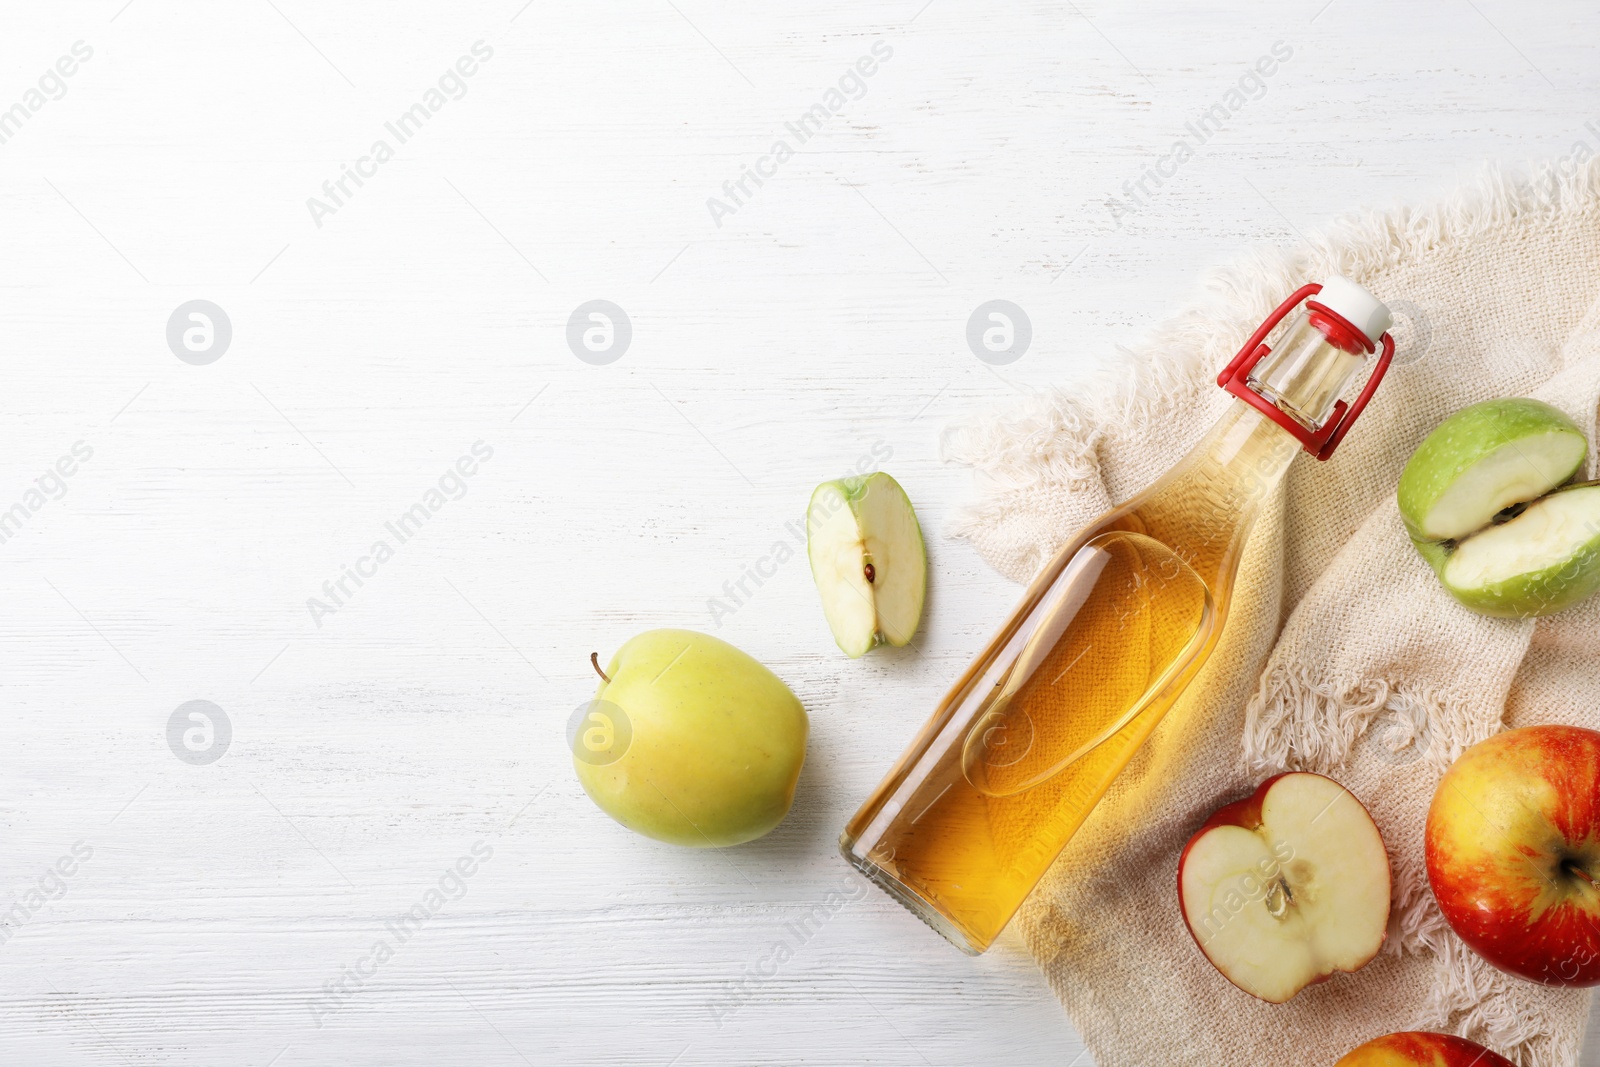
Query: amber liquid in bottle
pixel 1104 642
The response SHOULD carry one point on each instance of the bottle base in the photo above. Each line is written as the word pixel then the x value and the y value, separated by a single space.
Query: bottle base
pixel 910 899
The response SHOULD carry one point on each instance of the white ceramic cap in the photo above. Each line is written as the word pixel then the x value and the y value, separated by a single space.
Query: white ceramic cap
pixel 1356 306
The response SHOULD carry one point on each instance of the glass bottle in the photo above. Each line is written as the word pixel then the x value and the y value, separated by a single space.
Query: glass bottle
pixel 1106 639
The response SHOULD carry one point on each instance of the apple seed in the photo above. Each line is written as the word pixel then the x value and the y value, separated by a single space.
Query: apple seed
pixel 1279 897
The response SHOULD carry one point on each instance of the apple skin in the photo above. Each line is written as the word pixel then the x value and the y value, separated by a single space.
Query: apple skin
pixel 1418 1048
pixel 717 742
pixel 1513 835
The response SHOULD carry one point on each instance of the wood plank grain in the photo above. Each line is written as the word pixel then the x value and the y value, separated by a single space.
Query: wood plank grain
pixel 824 317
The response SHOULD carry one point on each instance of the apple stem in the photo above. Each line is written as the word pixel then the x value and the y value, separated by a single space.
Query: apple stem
pixel 594 658
pixel 1581 873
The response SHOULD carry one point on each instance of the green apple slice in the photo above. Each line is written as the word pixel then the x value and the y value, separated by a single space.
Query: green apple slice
pixel 1484 459
pixel 868 560
pixel 1544 560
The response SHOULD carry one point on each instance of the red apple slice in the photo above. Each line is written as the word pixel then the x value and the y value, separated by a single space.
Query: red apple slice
pixel 1286 887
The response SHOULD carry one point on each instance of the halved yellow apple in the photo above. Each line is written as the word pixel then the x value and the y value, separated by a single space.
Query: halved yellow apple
pixel 868 560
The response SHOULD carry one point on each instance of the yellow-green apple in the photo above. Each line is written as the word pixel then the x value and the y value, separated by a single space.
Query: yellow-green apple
pixel 1513 851
pixel 1286 887
pixel 1418 1048
pixel 689 740
pixel 868 560
pixel 1487 501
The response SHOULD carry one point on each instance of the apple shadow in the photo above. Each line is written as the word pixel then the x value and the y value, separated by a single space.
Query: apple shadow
pixel 809 829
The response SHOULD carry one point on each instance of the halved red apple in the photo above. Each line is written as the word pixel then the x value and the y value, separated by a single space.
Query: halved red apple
pixel 1287 887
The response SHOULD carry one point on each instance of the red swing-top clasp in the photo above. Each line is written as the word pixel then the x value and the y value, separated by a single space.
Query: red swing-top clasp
pixel 1341 334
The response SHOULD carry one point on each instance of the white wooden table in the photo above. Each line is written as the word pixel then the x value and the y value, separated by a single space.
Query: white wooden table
pixel 226 908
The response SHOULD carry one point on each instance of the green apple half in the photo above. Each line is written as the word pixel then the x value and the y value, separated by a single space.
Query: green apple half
pixel 868 560
pixel 1487 501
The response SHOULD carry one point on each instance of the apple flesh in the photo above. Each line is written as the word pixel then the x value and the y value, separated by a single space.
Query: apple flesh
pixel 1486 500
pixel 690 741
pixel 1418 1048
pixel 1540 562
pixel 1484 459
pixel 1513 852
pixel 868 560
pixel 1286 887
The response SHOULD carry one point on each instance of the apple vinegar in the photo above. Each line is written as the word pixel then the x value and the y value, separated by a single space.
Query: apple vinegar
pixel 1105 641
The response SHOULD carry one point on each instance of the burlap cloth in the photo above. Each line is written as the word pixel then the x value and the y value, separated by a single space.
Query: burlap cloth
pixel 1342 654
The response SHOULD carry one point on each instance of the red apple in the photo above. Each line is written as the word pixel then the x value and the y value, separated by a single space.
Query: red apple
pixel 1514 852
pixel 1286 887
pixel 1417 1048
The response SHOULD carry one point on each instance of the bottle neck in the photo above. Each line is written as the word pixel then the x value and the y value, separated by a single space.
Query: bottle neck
pixel 1247 452
pixel 1304 375
pixel 1314 361
pixel 1208 504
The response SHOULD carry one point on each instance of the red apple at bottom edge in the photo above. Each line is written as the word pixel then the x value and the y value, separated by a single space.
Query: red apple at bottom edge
pixel 1513 846
pixel 1286 887
pixel 1417 1048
